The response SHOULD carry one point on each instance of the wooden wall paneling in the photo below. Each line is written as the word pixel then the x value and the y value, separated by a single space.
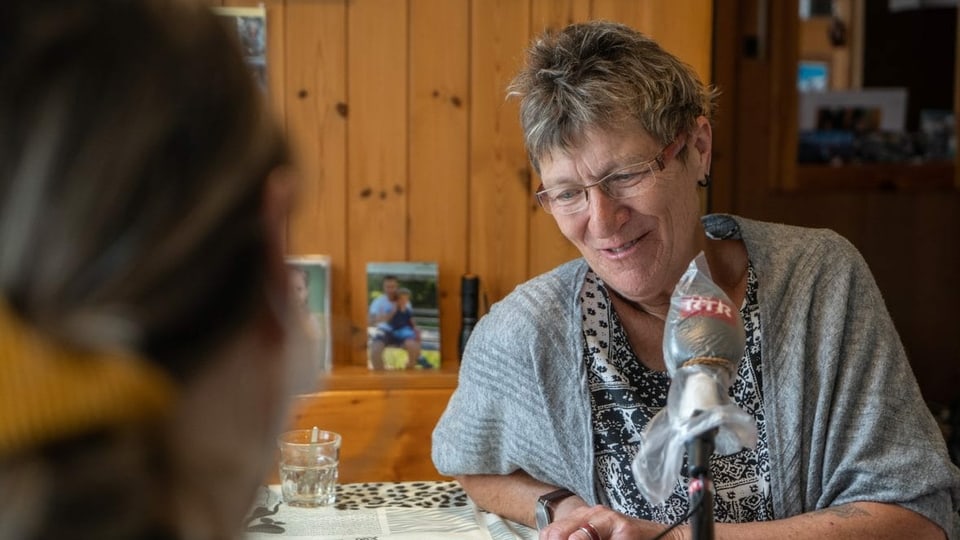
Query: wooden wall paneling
pixel 628 12
pixel 758 128
pixel 499 175
pixel 314 84
pixel 556 14
pixel 439 105
pixel 782 146
pixel 276 57
pixel 683 27
pixel 377 139
pixel 857 10
pixel 548 246
pixel 723 166
pixel 386 433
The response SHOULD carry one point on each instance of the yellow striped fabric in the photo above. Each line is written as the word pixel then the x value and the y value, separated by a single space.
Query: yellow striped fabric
pixel 49 391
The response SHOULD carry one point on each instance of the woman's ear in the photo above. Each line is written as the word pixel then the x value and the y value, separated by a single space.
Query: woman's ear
pixel 279 197
pixel 703 143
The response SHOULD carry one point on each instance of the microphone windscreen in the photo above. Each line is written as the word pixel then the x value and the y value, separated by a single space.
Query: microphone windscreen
pixel 705 327
pixel 702 322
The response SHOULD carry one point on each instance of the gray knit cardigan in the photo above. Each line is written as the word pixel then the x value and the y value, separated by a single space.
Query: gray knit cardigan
pixel 845 418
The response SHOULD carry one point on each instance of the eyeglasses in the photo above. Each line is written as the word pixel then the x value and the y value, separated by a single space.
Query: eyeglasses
pixel 624 183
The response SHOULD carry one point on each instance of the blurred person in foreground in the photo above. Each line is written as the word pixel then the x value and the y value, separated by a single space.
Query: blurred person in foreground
pixel 146 350
pixel 560 378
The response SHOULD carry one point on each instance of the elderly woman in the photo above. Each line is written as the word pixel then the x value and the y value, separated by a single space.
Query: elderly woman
pixel 559 380
pixel 145 347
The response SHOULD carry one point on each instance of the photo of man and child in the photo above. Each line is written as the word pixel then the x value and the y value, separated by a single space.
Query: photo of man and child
pixel 403 319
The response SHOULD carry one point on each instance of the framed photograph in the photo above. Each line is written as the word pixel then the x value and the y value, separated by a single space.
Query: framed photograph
pixel 815 8
pixel 884 107
pixel 857 119
pixel 251 25
pixel 938 134
pixel 310 289
pixel 813 76
pixel 403 316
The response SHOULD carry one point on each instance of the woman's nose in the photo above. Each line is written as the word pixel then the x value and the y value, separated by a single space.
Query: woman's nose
pixel 606 213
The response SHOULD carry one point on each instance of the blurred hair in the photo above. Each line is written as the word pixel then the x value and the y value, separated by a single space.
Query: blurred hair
pixel 595 74
pixel 133 158
pixel 135 155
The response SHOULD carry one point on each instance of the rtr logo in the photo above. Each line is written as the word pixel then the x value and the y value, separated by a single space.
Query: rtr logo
pixel 708 306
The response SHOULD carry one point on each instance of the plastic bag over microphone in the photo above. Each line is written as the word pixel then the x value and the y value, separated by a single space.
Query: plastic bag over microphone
pixel 703 343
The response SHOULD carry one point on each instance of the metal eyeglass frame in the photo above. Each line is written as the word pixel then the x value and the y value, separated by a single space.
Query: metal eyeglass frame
pixel 657 164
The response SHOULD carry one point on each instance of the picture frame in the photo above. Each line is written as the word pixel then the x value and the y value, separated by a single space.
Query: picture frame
pixel 310 290
pixel 938 134
pixel 890 102
pixel 813 76
pixel 251 26
pixel 389 338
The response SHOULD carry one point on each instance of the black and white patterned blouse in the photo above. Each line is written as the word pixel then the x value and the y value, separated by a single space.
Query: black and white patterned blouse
pixel 625 395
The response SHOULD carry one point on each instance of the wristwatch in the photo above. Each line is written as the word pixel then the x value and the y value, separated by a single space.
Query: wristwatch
pixel 545 506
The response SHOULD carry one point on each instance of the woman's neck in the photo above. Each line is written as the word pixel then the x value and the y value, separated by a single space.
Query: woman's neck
pixel 727 261
pixel 660 314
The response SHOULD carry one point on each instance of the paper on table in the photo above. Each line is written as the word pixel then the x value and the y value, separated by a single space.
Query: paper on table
pixel 274 520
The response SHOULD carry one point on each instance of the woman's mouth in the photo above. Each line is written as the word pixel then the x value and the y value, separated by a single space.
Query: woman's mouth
pixel 622 249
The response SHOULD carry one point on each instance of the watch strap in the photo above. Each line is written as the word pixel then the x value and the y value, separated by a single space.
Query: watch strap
pixel 545 505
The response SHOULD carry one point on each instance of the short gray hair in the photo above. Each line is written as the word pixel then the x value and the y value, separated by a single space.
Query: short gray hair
pixel 591 75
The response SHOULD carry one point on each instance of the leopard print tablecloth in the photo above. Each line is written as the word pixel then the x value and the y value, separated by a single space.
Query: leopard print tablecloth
pixel 268 515
pixel 403 495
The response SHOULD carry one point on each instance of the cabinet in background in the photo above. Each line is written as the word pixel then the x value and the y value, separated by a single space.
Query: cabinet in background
pixel 904 219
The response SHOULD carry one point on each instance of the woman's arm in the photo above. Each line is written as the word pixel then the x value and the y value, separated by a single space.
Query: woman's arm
pixel 514 496
pixel 854 521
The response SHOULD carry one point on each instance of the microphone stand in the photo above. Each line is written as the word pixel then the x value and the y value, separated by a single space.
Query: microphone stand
pixel 700 489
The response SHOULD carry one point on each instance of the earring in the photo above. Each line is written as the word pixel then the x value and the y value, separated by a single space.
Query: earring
pixel 705 182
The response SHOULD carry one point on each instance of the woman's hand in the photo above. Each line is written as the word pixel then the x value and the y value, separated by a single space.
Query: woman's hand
pixel 606 523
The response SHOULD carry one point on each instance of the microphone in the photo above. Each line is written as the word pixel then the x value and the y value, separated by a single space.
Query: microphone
pixel 703 342
pixel 469 292
pixel 706 331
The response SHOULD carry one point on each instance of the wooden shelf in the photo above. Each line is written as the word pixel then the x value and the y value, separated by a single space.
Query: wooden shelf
pixel 361 378
pixel 883 176
pixel 386 420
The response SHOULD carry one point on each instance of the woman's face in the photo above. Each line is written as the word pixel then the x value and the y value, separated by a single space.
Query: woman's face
pixel 640 245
